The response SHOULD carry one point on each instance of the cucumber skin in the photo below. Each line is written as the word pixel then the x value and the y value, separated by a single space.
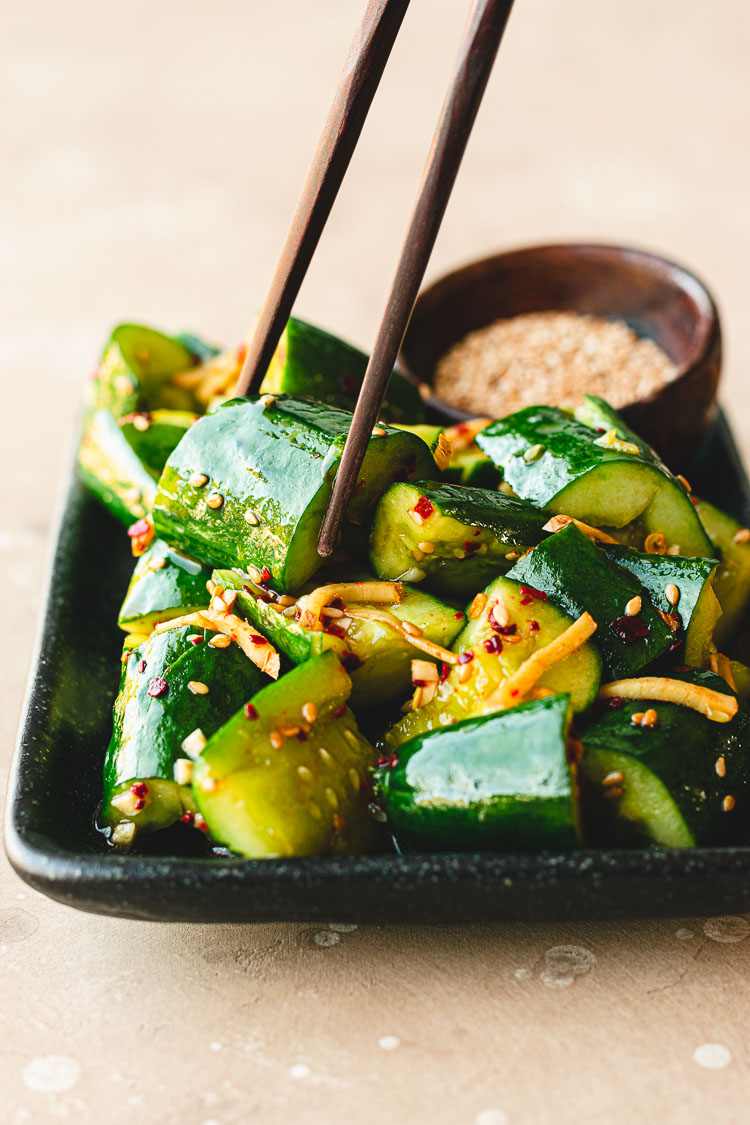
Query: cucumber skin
pixel 732 584
pixel 154 446
pixel 110 470
pixel 127 381
pixel 162 591
pixel 579 578
pixel 148 732
pixel 279 460
pixel 310 361
pixel 499 782
pixel 655 572
pixel 681 751
pixel 260 804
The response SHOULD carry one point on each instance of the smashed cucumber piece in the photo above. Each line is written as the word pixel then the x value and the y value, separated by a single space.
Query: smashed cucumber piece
pixel 493 652
pixel 165 584
pixel 376 656
pixel 681 783
pixel 135 372
pixel 111 470
pixel 732 581
pixel 153 435
pixel 250 482
pixel 156 710
pixel 502 782
pixel 452 538
pixel 287 775
pixel 557 462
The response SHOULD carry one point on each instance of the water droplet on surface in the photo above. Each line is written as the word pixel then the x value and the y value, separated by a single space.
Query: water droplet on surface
pixel 563 963
pixel 326 938
pixel 17 924
pixel 714 1056
pixel 52 1074
pixel 727 928
pixel 684 935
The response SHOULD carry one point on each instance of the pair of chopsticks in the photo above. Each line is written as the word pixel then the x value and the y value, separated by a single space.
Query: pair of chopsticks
pixel 362 72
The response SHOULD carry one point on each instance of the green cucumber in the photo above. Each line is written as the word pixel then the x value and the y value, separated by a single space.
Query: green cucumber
pixel 310 361
pixel 377 658
pixel 153 435
pixel 559 463
pixel 165 584
pixel 135 370
pixel 698 606
pixel 271 461
pixel 472 467
pixel 675 776
pixel 732 582
pixel 149 729
pixel 306 797
pixel 111 470
pixel 469 534
pixel 579 578
pixel 502 782
pixel 496 655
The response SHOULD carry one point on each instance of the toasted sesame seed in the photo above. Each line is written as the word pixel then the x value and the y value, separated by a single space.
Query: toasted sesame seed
pixel 268 400
pixel 315 810
pixel 209 785
pixel 417 555
pixel 141 422
pixel 332 799
pixel 416 699
pixel 410 629
pixel 650 718
pixel 613 792
pixel 511 556
pixel 309 711
pixel 304 773
pixel 378 431
pixel 218 605
pixel 426 547
pixel 183 771
pixel 533 453
pixel 415 517
pixel 287 600
pixel 476 609
pixel 123 834
pixel 351 737
pixel 289 730
pixel 614 777
pixel 197 687
pixel 728 803
pixel 221 640
pixel 742 535
pixel 251 517
pixel 276 740
pixel 198 480
pixel 354 778
pixel 633 608
pixel 215 500
pixel 331 611
pixel 672 593
pixel 194 743
pixel 636 718
pixel 254 574
pixel 464 672
pixel 290 611
pixel 325 757
pixel 720 765
pixel 423 670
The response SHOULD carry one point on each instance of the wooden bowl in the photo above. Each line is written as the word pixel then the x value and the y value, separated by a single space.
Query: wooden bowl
pixel 657 298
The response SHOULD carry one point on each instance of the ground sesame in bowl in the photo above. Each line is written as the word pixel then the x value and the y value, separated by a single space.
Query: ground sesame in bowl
pixel 551 357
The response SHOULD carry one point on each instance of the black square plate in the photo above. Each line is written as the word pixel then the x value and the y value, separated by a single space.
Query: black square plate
pixel 56 777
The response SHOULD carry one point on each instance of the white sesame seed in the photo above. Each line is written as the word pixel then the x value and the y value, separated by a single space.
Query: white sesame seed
pixel 198 480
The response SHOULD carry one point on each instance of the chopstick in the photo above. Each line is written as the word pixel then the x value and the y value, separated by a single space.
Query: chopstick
pixel 476 55
pixel 363 69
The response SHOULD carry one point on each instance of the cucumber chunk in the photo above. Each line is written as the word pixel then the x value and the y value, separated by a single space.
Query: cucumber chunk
pixel 165 584
pixel 135 369
pixel 579 577
pixel 452 538
pixel 304 798
pixel 111 470
pixel 496 655
pixel 559 463
pixel 149 728
pixel 153 435
pixel 501 782
pixel 684 782
pixel 732 582
pixel 377 657
pixel 271 461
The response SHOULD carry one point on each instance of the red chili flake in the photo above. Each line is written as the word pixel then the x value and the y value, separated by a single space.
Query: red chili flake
pixel 478 531
pixel 334 630
pixel 493 644
pixel 251 712
pixel 393 762
pixel 615 703
pixel 255 639
pixel 419 683
pixel 141 666
pixel 200 823
pixel 514 691
pixel 675 645
pixel 673 621
pixel 351 661
pixel 459 615
pixel 533 626
pixel 302 735
pixel 157 687
pixel 444 671
pixel 470 547
pixel 466 657
pixel 423 508
pixel 197 641
pixel 140 789
pixel 681 669
pixel 139 804
pixel 336 604
pixel 339 712
pixel 265 575
pixel 140 527
pixel 382 761
pixel 629 629
pixel 600 430
pixel 187 818
pixel 694 500
pixel 531 592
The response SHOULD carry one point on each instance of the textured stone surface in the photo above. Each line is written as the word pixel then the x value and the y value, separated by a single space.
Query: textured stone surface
pixel 156 151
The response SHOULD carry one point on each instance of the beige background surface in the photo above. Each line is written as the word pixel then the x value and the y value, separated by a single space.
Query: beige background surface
pixel 152 153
